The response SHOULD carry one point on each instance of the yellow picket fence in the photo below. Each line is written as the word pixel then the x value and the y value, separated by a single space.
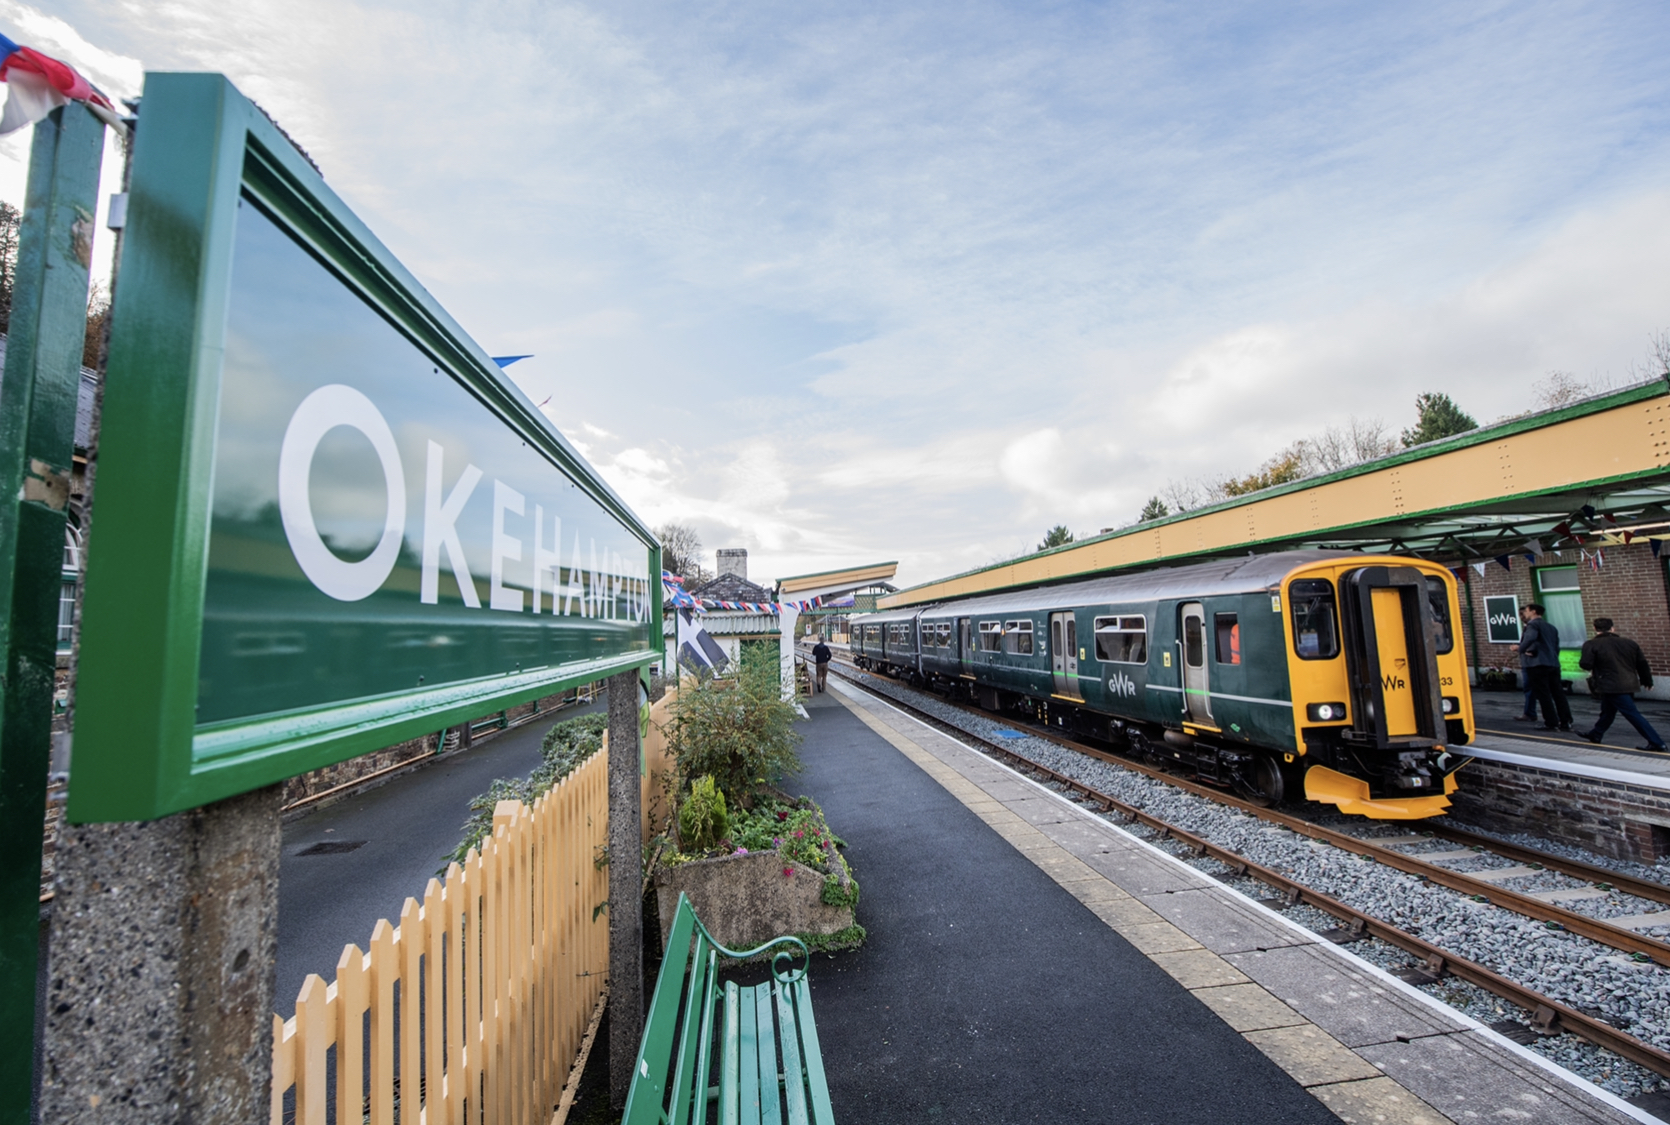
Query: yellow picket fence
pixel 482 992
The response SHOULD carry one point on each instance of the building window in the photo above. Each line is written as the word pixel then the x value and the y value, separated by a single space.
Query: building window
pixel 66 614
pixel 1226 630
pixel 1017 638
pixel 991 636
pixel 1122 640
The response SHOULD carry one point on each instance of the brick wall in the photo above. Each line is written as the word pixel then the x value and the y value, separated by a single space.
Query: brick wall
pixel 1630 589
pixel 1621 821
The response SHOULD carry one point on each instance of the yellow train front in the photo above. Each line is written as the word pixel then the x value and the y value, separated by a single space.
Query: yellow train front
pixel 1379 684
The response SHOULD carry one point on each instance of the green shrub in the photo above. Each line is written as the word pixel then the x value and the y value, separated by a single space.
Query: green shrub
pixel 798 832
pixel 739 732
pixel 702 822
pixel 567 744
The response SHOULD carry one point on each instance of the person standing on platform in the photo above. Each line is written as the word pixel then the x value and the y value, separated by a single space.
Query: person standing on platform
pixel 1539 655
pixel 1618 669
pixel 821 655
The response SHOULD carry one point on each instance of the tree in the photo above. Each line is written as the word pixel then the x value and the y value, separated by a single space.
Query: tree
pixel 681 551
pixel 1057 536
pixel 1436 416
pixel 1280 469
pixel 1153 510
pixel 11 223
pixel 98 311
pixel 740 731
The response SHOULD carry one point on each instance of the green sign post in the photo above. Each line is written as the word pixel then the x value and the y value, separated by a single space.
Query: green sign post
pixel 326 521
pixel 37 436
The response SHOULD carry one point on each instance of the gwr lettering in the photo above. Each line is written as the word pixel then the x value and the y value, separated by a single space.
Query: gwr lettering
pixel 618 587
pixel 1390 682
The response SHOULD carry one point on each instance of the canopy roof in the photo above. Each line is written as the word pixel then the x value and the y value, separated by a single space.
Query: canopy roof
pixel 835 583
pixel 1595 469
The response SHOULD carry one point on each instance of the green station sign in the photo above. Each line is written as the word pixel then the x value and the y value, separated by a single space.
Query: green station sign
pixel 324 520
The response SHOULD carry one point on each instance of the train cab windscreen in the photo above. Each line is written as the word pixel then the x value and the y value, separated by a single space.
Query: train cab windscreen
pixel 1439 598
pixel 1315 618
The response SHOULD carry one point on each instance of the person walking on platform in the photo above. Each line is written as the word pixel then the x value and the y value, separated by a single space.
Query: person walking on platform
pixel 1618 669
pixel 1539 655
pixel 821 655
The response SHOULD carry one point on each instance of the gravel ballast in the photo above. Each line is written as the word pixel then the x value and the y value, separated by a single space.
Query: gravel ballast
pixel 1593 978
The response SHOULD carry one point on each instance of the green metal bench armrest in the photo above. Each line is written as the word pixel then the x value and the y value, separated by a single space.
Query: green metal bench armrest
pixel 789 976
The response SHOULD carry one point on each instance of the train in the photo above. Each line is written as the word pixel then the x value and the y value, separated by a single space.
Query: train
pixel 1334 674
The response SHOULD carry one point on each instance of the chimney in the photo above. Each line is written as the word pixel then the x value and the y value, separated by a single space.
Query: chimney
pixel 732 560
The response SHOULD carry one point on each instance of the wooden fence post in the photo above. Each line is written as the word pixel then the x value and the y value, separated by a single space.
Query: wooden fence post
pixel 626 915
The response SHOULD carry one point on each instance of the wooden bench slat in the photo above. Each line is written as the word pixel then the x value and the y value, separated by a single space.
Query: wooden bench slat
pixel 730 1063
pixel 748 1091
pixel 794 1079
pixel 770 1110
pixel 704 1053
pixel 646 1100
pixel 689 1039
pixel 817 1084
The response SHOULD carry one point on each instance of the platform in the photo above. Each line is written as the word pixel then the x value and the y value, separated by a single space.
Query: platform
pixel 1031 961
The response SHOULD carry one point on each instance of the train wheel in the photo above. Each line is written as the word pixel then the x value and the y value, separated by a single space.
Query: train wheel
pixel 1140 745
pixel 1269 787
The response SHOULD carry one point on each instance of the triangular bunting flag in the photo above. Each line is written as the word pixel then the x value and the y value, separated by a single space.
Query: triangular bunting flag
pixel 1478 568
pixel 1503 559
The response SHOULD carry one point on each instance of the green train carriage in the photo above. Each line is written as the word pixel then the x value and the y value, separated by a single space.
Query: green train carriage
pixel 1333 671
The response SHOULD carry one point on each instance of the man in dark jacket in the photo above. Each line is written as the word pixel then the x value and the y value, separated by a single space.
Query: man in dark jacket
pixel 1539 655
pixel 1618 670
pixel 820 657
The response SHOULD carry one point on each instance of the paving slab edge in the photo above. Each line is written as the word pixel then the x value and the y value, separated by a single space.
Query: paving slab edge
pixel 1576 1082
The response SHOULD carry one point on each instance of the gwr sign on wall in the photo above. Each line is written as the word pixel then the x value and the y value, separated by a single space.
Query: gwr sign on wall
pixel 325 522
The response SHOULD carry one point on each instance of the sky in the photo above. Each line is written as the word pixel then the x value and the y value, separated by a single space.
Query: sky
pixel 847 282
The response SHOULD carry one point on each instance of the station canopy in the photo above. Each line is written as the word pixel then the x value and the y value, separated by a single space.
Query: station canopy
pixel 832 585
pixel 1595 473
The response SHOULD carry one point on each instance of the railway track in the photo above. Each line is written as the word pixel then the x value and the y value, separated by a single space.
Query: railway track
pixel 1547 1014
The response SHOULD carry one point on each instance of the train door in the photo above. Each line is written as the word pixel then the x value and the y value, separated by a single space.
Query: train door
pixel 1393 662
pixel 1197 699
pixel 965 644
pixel 1064 653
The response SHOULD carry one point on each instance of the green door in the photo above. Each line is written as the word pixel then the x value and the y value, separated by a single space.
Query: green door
pixel 1563 606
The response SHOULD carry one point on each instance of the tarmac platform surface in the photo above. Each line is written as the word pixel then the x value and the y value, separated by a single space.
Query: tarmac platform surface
pixel 1030 961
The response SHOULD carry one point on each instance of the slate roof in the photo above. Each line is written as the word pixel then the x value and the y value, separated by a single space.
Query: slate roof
pixel 730 588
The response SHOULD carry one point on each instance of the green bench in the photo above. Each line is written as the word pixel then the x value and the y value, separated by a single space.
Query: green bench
pixel 764 1057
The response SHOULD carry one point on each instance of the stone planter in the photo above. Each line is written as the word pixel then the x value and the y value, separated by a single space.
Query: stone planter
pixel 745 900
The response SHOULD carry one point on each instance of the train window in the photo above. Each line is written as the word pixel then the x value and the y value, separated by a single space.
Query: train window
pixel 1226 628
pixel 1017 637
pixel 1315 622
pixel 927 634
pixel 1194 644
pixel 1439 598
pixel 942 634
pixel 991 636
pixel 1122 640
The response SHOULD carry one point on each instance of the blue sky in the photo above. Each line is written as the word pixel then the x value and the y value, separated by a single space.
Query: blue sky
pixel 915 281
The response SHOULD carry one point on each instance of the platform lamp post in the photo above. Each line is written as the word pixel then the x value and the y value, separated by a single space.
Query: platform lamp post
pixel 37 436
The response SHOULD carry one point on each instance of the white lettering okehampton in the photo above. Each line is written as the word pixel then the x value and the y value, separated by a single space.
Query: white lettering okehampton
pixel 611 588
pixel 319 413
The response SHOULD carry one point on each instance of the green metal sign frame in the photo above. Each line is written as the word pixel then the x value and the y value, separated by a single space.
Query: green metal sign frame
pixel 212 175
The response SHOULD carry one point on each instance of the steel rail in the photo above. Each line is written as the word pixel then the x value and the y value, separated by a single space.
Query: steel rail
pixel 1576 868
pixel 1595 929
pixel 1548 1014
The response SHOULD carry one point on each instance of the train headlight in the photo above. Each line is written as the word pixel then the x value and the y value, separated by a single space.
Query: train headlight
pixel 1325 712
pixel 1452 705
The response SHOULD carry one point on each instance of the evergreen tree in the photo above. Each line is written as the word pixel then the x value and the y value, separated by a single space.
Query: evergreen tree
pixel 1153 510
pixel 1057 536
pixel 1437 416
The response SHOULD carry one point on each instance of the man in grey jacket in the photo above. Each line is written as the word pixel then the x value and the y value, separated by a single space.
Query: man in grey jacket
pixel 1618 670
pixel 1539 655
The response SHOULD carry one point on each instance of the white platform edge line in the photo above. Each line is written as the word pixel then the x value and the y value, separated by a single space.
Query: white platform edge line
pixel 1556 765
pixel 1576 1081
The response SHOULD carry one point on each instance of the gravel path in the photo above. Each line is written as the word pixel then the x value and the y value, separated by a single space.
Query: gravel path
pixel 1590 977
